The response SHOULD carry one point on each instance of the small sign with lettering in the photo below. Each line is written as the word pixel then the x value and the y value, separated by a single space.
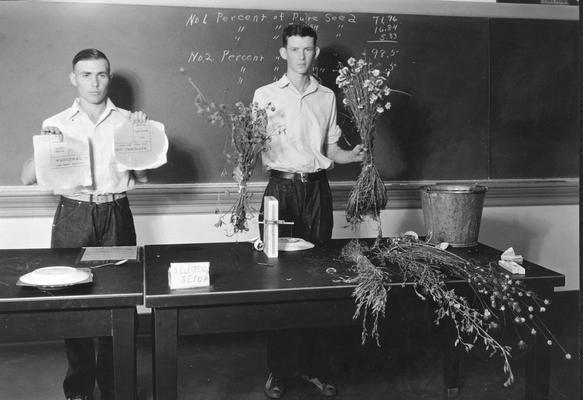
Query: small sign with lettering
pixel 185 275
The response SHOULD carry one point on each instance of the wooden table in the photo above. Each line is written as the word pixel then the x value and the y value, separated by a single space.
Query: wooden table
pixel 105 307
pixel 250 292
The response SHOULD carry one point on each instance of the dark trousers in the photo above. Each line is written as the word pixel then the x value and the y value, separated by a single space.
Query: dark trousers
pixel 309 206
pixel 84 224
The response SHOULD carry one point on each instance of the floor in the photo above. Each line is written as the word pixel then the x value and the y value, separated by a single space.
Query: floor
pixel 225 367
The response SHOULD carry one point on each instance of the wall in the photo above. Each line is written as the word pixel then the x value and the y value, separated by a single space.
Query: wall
pixel 546 235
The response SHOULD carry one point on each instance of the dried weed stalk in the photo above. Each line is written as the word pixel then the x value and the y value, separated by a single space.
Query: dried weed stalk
pixel 427 268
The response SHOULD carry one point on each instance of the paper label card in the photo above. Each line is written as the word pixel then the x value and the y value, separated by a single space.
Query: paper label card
pixel 187 275
pixel 140 146
pixel 62 161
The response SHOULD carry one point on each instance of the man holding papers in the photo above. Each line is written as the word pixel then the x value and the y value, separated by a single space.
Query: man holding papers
pixel 91 215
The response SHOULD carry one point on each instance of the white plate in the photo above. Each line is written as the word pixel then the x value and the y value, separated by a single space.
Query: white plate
pixel 293 244
pixel 55 276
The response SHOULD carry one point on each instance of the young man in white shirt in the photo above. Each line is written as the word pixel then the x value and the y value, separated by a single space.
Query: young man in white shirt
pixel 297 161
pixel 92 216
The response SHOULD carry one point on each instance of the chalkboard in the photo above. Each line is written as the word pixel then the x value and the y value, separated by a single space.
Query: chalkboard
pixel 446 64
pixel 535 123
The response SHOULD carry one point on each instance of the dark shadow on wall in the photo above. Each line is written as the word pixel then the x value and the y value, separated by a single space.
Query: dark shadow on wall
pixel 525 239
pixel 122 90
pixel 180 167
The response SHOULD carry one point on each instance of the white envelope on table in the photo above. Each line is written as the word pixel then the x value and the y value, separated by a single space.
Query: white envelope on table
pixel 62 161
pixel 140 146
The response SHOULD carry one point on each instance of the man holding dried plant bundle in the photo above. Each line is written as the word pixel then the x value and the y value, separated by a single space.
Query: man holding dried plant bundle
pixel 297 161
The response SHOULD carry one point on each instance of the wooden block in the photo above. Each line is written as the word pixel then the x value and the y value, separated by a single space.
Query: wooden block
pixel 512 267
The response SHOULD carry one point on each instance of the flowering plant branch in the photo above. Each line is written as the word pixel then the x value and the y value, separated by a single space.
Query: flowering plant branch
pixel 248 137
pixel 427 268
pixel 365 90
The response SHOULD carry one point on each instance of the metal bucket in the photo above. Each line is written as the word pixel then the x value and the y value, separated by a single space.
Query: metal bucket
pixel 452 213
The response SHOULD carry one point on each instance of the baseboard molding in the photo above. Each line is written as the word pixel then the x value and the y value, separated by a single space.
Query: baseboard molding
pixel 30 201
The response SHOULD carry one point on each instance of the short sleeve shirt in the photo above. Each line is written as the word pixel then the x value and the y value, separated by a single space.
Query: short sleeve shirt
pixel 74 121
pixel 300 127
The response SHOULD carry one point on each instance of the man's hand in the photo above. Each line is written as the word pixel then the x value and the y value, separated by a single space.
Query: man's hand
pixel 50 130
pixel 237 175
pixel 340 156
pixel 357 153
pixel 138 117
pixel 141 175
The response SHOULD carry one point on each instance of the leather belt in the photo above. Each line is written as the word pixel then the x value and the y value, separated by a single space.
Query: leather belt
pixel 299 176
pixel 97 198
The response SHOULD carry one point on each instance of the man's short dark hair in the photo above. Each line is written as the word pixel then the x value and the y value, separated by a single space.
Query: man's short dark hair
pixel 89 54
pixel 301 29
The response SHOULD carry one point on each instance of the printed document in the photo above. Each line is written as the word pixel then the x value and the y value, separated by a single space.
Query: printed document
pixel 140 146
pixel 62 161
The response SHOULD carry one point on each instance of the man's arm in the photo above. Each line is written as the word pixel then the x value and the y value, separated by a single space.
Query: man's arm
pixel 141 175
pixel 341 156
pixel 28 175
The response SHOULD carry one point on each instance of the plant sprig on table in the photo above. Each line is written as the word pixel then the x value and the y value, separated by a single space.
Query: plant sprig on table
pixel 427 268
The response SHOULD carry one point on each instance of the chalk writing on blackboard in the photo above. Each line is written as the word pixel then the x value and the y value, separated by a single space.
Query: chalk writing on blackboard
pixel 381 46
pixel 386 28
pixel 224 56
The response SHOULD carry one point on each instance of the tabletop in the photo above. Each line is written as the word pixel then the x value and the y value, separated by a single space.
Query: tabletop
pixel 238 273
pixel 112 286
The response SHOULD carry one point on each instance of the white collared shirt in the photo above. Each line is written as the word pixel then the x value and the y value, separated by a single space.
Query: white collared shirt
pixel 309 121
pixel 74 121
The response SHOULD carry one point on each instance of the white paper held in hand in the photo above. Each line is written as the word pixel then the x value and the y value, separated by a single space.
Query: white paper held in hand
pixel 140 146
pixel 62 161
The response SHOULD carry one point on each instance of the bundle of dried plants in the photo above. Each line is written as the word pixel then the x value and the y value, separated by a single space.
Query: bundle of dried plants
pixel 247 138
pixel 427 268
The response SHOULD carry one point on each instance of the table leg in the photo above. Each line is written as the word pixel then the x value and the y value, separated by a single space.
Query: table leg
pixel 538 363
pixel 164 353
pixel 451 358
pixel 537 371
pixel 124 352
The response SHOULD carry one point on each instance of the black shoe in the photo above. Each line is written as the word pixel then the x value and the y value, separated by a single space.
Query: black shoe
pixel 274 387
pixel 324 387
